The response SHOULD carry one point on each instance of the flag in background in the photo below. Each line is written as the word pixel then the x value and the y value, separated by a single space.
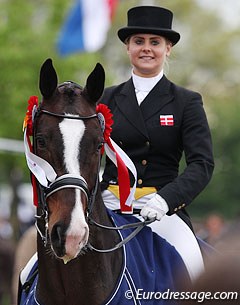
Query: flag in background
pixel 86 26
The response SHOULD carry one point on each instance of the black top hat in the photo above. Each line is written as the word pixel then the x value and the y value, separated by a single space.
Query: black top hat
pixel 149 20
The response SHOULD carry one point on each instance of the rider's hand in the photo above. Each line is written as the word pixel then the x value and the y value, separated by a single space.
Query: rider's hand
pixel 155 208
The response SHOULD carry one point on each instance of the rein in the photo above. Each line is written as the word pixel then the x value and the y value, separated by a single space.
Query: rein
pixel 78 182
pixel 138 225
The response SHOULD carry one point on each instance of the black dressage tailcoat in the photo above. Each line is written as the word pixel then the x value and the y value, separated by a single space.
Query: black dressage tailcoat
pixel 155 148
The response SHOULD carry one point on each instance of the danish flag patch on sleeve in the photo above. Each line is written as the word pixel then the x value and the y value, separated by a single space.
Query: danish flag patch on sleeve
pixel 166 120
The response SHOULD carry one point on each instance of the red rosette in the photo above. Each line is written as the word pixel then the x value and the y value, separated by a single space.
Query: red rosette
pixel 108 121
pixel 28 126
pixel 28 120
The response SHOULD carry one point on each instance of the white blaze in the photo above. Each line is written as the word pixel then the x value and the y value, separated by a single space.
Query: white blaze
pixel 77 234
pixel 72 132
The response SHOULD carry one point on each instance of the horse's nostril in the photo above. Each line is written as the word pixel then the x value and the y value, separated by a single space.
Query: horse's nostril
pixel 59 236
pixel 58 239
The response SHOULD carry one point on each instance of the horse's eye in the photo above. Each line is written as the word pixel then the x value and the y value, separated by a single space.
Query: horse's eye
pixel 41 143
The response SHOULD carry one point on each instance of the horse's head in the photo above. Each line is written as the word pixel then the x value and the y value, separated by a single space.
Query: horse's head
pixel 67 134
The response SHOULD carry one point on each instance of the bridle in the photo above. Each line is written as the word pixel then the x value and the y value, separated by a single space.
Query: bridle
pixel 78 182
pixel 63 181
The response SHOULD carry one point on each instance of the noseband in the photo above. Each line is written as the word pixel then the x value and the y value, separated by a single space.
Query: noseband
pixel 68 181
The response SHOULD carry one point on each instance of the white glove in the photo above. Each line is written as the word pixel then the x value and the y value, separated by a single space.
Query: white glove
pixel 155 208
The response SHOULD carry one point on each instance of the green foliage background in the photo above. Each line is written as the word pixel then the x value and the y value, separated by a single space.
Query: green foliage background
pixel 206 59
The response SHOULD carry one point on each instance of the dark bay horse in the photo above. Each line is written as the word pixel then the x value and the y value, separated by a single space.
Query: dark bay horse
pixel 68 135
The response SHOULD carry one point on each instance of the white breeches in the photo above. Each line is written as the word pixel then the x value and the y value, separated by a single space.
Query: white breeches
pixel 173 229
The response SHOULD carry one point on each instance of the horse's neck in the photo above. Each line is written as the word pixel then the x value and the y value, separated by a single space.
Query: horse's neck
pixel 88 279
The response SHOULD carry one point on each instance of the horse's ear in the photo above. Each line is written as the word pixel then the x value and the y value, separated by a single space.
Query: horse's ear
pixel 95 83
pixel 48 79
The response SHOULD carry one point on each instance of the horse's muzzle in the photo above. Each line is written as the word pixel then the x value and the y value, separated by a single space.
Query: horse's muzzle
pixel 67 244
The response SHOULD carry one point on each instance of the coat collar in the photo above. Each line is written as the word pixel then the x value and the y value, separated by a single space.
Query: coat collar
pixel 127 103
pixel 158 97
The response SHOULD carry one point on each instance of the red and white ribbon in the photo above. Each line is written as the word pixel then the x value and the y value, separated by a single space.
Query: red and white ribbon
pixel 123 163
